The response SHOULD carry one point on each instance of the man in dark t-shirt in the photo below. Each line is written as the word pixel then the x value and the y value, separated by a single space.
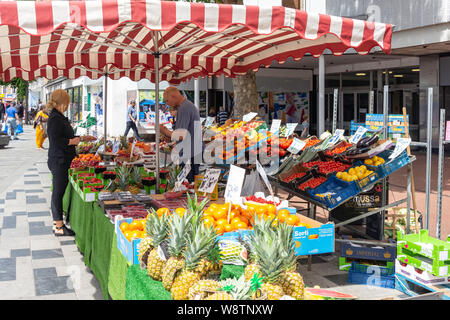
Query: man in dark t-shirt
pixel 188 131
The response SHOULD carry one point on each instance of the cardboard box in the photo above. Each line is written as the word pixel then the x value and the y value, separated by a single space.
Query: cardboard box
pixel 423 277
pixel 315 240
pixel 368 252
pixel 129 249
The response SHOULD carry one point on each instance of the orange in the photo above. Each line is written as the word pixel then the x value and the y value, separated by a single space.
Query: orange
pixel 220 214
pixel 162 211
pixel 136 234
pixel 213 206
pixel 235 220
pixel 234 213
pixel 142 224
pixel 283 214
pixel 271 209
pixel 210 211
pixel 244 219
pixel 271 216
pixel 180 211
pixel 229 227
pixel 128 234
pixel 221 222
pixel 241 225
pixel 260 211
pixel 208 221
pixel 219 230
pixel 292 220
pixel 134 225
pixel 124 227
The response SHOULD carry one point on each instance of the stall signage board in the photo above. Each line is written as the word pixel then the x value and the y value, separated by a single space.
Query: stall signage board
pixel 249 116
pixel 396 124
pixel 358 135
pixel 400 146
pixel 290 128
pixel 336 137
pixel 275 125
pixel 263 174
pixel 234 183
pixel 209 181
pixel 296 146
pixel 209 121
pixel 182 175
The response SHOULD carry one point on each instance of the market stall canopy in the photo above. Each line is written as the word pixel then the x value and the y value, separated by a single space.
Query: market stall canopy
pixel 122 38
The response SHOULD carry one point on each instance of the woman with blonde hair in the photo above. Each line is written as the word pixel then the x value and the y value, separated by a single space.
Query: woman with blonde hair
pixel 61 152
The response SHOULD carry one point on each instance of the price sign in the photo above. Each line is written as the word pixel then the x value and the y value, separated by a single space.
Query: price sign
pixel 263 174
pixel 116 146
pixel 182 175
pixel 290 128
pixel 296 146
pixel 275 125
pixel 249 116
pixel 400 146
pixel 209 181
pixel 358 135
pixel 336 136
pixel 209 121
pixel 234 184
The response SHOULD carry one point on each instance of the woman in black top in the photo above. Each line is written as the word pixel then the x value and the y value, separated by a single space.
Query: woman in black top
pixel 60 154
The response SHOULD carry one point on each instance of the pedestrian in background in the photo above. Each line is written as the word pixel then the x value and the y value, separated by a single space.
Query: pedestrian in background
pixel 12 119
pixel 132 117
pixel 222 116
pixel 2 110
pixel 40 124
pixel 20 113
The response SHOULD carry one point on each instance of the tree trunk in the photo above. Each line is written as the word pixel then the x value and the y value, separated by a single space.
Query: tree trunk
pixel 245 95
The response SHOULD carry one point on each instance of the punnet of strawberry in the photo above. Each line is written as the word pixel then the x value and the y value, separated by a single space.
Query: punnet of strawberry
pixel 312 183
pixel 326 167
pixel 260 200
pixel 294 176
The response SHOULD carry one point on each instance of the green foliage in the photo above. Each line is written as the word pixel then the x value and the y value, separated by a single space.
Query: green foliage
pixel 21 86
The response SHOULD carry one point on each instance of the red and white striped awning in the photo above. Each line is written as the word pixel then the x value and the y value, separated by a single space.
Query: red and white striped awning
pixel 88 38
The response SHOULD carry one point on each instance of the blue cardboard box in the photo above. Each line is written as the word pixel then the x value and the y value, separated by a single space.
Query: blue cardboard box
pixel 129 249
pixel 317 239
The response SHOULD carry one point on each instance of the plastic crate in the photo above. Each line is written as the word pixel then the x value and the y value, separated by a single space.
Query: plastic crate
pixel 371 275
pixel 369 179
pixel 389 167
pixel 337 191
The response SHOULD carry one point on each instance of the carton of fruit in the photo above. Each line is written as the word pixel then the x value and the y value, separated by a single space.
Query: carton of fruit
pixel 418 275
pixel 368 251
pixel 129 248
pixel 313 237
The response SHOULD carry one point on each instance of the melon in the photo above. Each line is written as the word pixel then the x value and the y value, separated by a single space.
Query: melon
pixel 324 294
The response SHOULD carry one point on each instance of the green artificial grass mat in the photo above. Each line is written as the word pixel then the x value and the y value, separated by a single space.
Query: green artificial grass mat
pixel 140 286
pixel 231 271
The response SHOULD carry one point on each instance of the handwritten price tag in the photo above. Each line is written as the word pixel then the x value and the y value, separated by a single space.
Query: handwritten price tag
pixel 209 181
pixel 296 146
pixel 249 116
pixel 290 128
pixel 234 184
pixel 209 121
pixel 115 146
pixel 400 146
pixel 275 125
pixel 182 175
pixel 358 135
pixel 262 172
pixel 336 136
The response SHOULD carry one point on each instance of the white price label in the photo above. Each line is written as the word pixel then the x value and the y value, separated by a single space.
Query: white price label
pixel 210 180
pixel 116 146
pixel 400 146
pixel 209 121
pixel 275 125
pixel 290 128
pixel 182 175
pixel 132 149
pixel 358 135
pixel 90 197
pixel 263 174
pixel 100 149
pixel 249 116
pixel 296 146
pixel 234 184
pixel 336 136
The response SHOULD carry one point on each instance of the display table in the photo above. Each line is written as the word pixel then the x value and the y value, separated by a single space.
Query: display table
pixel 96 240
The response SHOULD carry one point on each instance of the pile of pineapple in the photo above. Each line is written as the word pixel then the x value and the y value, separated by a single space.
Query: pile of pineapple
pixel 182 252
pixel 127 179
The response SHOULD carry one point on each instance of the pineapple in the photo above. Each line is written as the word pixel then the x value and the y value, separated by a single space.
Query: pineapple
pixel 124 143
pixel 174 171
pixel 123 178
pixel 158 230
pixel 202 287
pixel 210 264
pixel 179 228
pixel 222 295
pixel 291 281
pixel 136 177
pixel 146 244
pixel 199 245
pixel 196 209
pixel 239 289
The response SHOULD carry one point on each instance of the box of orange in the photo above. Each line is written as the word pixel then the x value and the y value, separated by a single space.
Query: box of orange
pixel 129 249
pixel 313 237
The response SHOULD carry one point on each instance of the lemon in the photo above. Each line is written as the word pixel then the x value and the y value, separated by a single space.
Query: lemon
pixel 360 175
pixel 351 171
pixel 381 160
pixel 339 175
pixel 363 168
pixel 368 162
pixel 354 178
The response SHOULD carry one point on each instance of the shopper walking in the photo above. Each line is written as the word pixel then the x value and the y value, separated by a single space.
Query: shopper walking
pixel 12 119
pixel 60 154
pixel 40 124
pixel 132 120
pixel 188 130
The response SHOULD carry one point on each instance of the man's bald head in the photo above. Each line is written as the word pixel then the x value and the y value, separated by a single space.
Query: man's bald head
pixel 173 97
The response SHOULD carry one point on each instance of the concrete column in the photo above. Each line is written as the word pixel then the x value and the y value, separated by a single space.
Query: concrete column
pixel 321 108
pixel 429 77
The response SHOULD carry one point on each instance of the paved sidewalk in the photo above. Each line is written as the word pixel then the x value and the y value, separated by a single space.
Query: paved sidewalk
pixel 34 264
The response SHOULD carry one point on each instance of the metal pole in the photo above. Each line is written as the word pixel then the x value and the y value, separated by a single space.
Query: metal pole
pixel 157 55
pixel 105 108
pixel 429 149
pixel 335 106
pixel 386 132
pixel 408 205
pixel 371 101
pixel 440 173
pixel 321 109
pixel 197 93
